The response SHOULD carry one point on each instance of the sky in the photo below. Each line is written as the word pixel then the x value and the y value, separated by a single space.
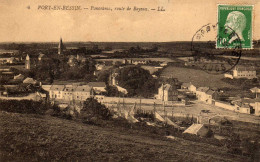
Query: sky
pixel 179 21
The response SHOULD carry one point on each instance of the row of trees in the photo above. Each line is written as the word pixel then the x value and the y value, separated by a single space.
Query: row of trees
pixel 53 69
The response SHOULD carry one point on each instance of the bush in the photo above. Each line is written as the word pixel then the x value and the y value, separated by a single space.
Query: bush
pixel 57 112
pixel 92 108
pixel 144 114
pixel 23 106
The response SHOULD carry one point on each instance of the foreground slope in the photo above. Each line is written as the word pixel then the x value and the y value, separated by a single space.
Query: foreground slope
pixel 37 138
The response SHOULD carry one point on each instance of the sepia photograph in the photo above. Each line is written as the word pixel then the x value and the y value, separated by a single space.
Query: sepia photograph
pixel 130 80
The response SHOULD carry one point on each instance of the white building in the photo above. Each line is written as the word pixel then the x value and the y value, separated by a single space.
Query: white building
pixel 257 108
pixel 167 93
pixel 56 91
pixel 243 72
pixel 190 87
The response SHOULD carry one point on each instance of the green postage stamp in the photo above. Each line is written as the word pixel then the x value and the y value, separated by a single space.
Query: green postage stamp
pixel 235 23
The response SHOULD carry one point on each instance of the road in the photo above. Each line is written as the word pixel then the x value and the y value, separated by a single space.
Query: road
pixel 194 110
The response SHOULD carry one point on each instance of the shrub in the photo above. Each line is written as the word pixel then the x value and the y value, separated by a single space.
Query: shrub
pixel 23 106
pixel 57 112
pixel 144 114
pixel 92 108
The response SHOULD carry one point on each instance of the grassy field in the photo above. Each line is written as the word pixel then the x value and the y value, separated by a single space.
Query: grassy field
pixel 197 77
pixel 43 138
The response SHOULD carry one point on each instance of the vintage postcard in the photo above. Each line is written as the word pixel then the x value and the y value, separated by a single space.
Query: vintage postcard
pixel 130 80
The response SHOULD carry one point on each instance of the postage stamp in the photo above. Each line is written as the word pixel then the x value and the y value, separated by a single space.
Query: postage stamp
pixel 214 60
pixel 235 22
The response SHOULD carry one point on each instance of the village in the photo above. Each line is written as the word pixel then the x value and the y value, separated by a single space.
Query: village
pixel 137 89
pixel 169 91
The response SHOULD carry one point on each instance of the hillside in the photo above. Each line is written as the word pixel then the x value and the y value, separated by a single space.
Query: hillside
pixel 37 138
pixel 199 78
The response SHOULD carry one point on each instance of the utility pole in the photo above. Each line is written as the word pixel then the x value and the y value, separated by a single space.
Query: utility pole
pixel 140 103
pixel 154 108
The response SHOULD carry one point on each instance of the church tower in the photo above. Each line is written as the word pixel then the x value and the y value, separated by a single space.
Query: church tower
pixel 27 62
pixel 60 47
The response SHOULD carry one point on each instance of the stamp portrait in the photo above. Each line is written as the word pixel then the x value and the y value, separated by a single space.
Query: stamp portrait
pixel 235 22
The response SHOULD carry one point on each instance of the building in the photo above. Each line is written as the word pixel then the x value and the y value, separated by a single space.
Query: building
pixel 72 61
pixel 167 93
pixel 135 61
pixel 242 72
pixel 27 62
pixel 56 92
pixel 188 86
pixel 200 93
pixel 99 87
pixel 197 129
pixel 41 57
pixel 113 77
pixel 83 92
pixel 210 96
pixel 19 77
pixel 9 60
pixel 164 64
pixel 255 90
pixel 29 81
pixel 257 108
pixel 121 89
pixel 70 92
pixel 61 47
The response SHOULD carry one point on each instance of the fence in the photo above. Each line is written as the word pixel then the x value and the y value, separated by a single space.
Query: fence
pixel 105 99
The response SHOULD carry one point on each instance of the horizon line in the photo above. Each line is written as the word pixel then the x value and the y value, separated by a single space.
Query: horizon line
pixel 99 41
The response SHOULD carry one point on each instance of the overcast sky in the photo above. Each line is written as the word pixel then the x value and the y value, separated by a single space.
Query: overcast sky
pixel 179 22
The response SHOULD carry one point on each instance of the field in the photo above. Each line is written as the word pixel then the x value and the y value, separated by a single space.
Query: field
pixel 27 137
pixel 197 77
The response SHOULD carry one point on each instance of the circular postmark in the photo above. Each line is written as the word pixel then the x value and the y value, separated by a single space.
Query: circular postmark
pixel 211 59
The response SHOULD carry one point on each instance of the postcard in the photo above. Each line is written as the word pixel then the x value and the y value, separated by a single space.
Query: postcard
pixel 129 80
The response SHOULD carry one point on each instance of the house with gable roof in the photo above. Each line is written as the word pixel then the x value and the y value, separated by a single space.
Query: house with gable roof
pixel 167 93
pixel 83 92
pixel 99 87
pixel 56 91
pixel 68 92
pixel 188 86
pixel 200 93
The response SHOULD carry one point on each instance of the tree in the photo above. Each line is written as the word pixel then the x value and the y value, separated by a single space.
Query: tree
pixel 103 76
pixel 92 108
pixel 136 80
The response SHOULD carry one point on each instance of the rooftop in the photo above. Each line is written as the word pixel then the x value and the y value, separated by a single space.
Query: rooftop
pixel 84 88
pixel 97 84
pixel 57 87
pixel 203 89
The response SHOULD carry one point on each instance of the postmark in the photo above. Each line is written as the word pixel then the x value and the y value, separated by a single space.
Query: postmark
pixel 211 59
pixel 236 21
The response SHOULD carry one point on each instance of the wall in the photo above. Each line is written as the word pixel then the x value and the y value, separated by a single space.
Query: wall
pixel 257 108
pixel 105 99
pixel 228 76
pixel 243 110
pixel 225 106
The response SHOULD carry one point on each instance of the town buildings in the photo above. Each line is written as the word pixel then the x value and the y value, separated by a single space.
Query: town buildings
pixel 74 91
pixel 242 72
